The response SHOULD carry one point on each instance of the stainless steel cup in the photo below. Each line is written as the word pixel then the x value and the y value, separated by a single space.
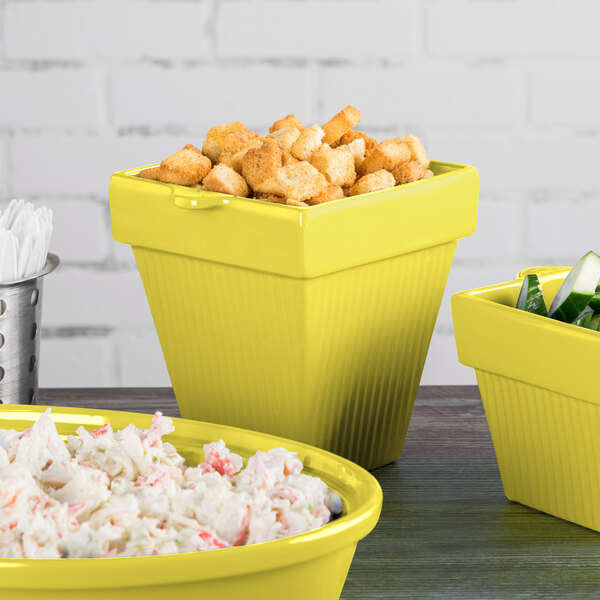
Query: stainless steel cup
pixel 20 321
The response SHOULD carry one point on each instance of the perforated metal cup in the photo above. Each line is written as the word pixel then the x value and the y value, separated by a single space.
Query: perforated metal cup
pixel 20 320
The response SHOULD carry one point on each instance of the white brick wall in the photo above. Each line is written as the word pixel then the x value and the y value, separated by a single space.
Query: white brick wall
pixel 314 30
pixel 84 161
pixel 82 297
pixel 524 158
pixel 432 94
pixel 549 220
pixel 199 97
pixel 77 361
pixel 140 359
pixel 474 29
pixel 50 99
pixel 80 232
pixel 4 168
pixel 88 87
pixel 566 96
pixel 119 30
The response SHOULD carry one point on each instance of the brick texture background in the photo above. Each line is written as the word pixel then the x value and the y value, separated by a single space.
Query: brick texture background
pixel 88 87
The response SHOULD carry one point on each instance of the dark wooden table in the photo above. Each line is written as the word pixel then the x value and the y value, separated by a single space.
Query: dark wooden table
pixel 446 530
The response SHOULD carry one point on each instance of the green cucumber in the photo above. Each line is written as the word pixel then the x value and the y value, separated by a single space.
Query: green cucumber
pixel 595 301
pixel 531 298
pixel 584 319
pixel 577 289
pixel 594 323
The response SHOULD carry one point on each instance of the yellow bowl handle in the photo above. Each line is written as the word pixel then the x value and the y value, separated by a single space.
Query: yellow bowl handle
pixel 199 200
pixel 541 271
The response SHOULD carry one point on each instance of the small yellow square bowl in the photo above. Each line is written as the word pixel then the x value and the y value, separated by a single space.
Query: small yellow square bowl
pixel 538 380
pixel 309 323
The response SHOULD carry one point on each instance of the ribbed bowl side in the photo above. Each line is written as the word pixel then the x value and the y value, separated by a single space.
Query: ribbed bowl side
pixel 368 337
pixel 233 340
pixel 333 361
pixel 547 446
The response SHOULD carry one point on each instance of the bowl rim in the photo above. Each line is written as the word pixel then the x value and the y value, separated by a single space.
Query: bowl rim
pixel 296 242
pixel 82 573
pixel 546 274
pixel 493 336
pixel 218 197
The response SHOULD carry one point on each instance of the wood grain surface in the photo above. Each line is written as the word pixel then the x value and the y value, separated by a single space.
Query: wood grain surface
pixel 446 529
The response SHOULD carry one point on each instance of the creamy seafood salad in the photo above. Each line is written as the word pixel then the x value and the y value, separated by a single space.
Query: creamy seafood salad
pixel 128 493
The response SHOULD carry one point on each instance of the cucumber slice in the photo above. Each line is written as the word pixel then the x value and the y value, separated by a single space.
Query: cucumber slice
pixel 577 289
pixel 531 298
pixel 595 301
pixel 583 320
pixel 594 323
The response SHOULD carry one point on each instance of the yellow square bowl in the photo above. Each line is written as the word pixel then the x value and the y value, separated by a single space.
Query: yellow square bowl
pixel 538 382
pixel 309 323
pixel 307 565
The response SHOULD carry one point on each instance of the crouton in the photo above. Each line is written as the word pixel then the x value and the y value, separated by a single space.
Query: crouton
pixel 216 136
pixel 261 163
pixel 285 137
pixel 333 192
pixel 192 148
pixel 354 134
pixel 294 202
pixel 185 167
pixel 417 151
pixel 151 173
pixel 236 146
pixel 287 123
pixel 410 171
pixel 337 164
pixel 385 156
pixel 237 140
pixel 337 126
pixel 225 180
pixel 372 182
pixel 235 160
pixel 298 180
pixel 288 158
pixel 357 149
pixel 307 142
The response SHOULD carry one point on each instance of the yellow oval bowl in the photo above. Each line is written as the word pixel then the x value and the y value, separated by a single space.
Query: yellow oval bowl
pixel 309 565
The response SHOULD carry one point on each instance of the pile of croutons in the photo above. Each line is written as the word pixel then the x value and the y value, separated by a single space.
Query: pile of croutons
pixel 293 164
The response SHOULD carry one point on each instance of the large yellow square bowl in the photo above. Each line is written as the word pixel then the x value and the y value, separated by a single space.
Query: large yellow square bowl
pixel 538 380
pixel 309 565
pixel 309 323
